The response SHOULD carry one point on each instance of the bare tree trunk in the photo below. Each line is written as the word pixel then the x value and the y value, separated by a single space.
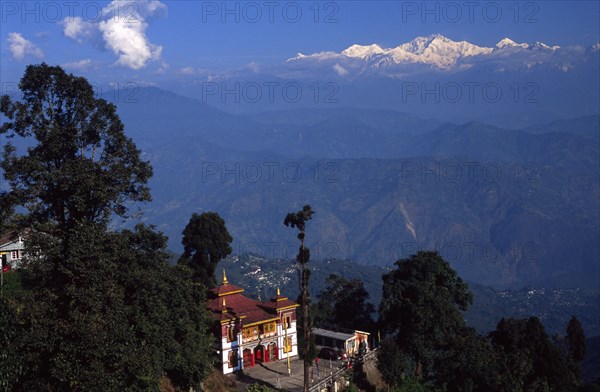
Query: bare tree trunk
pixel 298 220
pixel 305 324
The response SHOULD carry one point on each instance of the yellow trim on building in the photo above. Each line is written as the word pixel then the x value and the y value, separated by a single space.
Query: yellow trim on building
pixel 288 307
pixel 233 318
pixel 231 292
pixel 260 322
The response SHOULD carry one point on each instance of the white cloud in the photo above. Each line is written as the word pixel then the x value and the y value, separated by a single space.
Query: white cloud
pixel 153 7
pixel 44 35
pixel 80 65
pixel 20 47
pixel 125 32
pixel 164 67
pixel 78 29
pixel 123 27
pixel 254 67
pixel 192 71
pixel 341 71
pixel 129 43
pixel 187 71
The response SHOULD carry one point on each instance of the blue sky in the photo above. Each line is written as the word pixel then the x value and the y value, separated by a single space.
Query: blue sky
pixel 150 40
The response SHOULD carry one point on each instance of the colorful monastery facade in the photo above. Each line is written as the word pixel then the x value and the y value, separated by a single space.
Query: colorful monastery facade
pixel 252 331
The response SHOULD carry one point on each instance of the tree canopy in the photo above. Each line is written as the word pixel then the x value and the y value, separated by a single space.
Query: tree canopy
pixel 80 166
pixel 126 316
pixel 428 342
pixel 528 358
pixel 96 309
pixel 422 300
pixel 343 305
pixel 206 241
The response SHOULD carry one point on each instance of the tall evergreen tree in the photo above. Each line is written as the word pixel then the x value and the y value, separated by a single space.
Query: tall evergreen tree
pixel 529 359
pixel 99 310
pixel 10 361
pixel 80 166
pixel 206 241
pixel 421 304
pixel 343 305
pixel 298 220
pixel 127 317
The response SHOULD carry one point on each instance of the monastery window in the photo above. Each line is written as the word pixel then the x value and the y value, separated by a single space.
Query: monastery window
pixel 233 358
pixel 250 333
pixel 287 344
pixel 231 334
pixel 269 328
pixel 287 321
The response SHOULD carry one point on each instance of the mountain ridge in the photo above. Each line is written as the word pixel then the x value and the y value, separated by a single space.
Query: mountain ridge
pixel 435 50
pixel 384 184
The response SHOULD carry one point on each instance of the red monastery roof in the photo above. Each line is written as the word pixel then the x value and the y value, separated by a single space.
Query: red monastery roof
pixel 226 302
pixel 226 289
pixel 280 302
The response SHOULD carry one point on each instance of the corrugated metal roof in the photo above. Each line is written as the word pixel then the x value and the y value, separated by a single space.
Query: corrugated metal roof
pixel 332 334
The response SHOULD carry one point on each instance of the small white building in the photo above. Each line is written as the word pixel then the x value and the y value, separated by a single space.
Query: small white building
pixel 12 248
pixel 350 343
pixel 250 331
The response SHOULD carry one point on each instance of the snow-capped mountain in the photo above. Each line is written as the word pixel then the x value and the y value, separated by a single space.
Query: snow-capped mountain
pixel 435 51
pixel 509 43
pixel 363 52
pixel 461 78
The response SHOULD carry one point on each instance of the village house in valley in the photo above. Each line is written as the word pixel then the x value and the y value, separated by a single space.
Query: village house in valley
pixel 250 331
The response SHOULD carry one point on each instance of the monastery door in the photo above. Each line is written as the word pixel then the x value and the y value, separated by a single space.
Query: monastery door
pixel 272 351
pixel 248 358
pixel 259 353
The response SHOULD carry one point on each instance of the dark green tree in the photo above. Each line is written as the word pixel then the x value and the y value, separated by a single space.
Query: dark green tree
pixel 391 362
pixel 75 336
pixel 80 166
pixel 168 311
pixel 343 305
pixel 576 345
pixel 420 309
pixel 99 310
pixel 206 241
pixel 298 220
pixel 467 363
pixel 127 318
pixel 10 361
pixel 530 360
pixel 6 212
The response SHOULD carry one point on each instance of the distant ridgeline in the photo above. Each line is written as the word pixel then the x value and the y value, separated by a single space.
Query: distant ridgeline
pixel 506 207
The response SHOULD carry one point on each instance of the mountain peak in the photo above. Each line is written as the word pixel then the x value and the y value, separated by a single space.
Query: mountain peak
pixel 419 44
pixel 437 52
pixel 362 51
pixel 509 43
pixel 439 37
